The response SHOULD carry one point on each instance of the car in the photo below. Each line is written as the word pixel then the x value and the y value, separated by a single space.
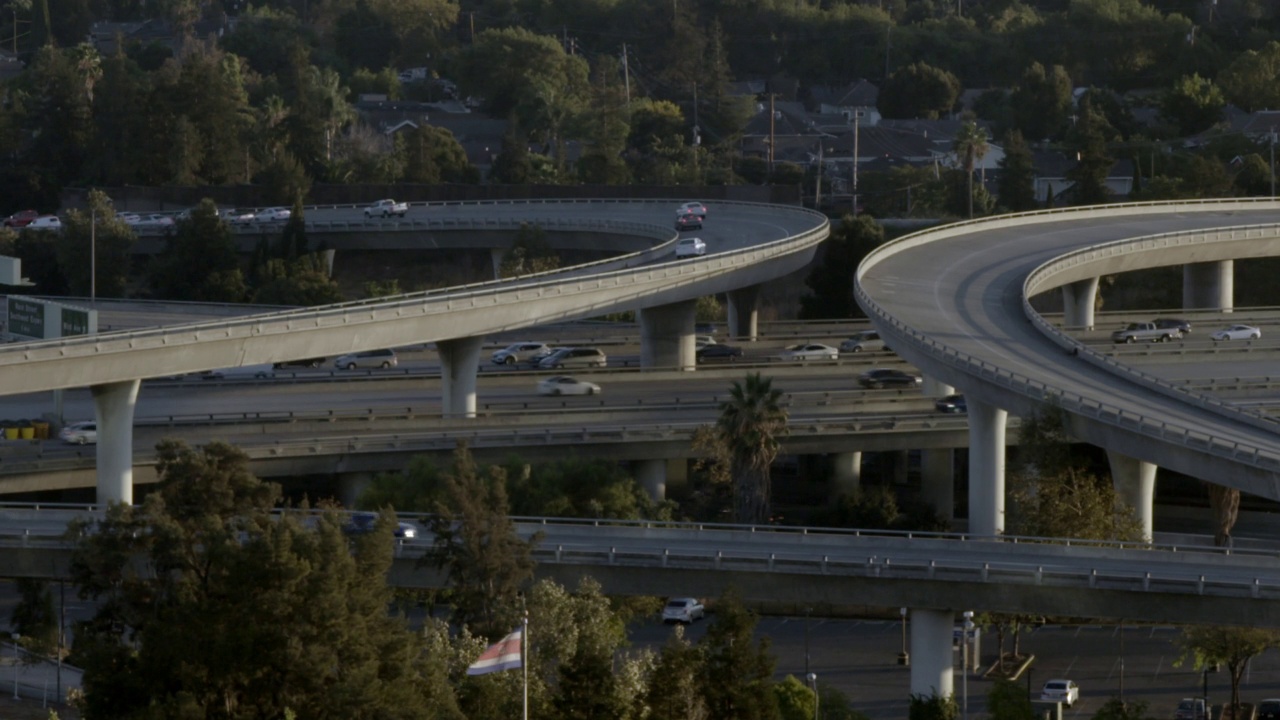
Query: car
pixel 688 222
pixel 367 358
pixel 574 357
pixel 44 222
pixel 1194 709
pixel 809 351
pixel 386 208
pixel 951 404
pixel 1238 332
pixel 717 353
pixel 80 433
pixel 521 352
pixel 877 378
pixel 683 610
pixel 128 218
pixel 1182 326
pixel 21 219
pixel 690 247
pixel 701 341
pixel 565 385
pixel 1268 709
pixel 1059 690
pixel 693 208
pixel 866 340
pixel 239 217
pixel 259 371
pixel 363 523
pixel 272 214
pixel 153 220
pixel 305 362
pixel 706 328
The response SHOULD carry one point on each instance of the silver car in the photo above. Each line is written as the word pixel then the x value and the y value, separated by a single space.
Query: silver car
pixel 575 357
pixel 521 352
pixel 867 340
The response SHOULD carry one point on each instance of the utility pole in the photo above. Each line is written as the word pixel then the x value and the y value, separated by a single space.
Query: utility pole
pixel 1273 161
pixel 771 97
pixel 857 116
pixel 817 203
pixel 626 73
pixel 888 32
pixel 472 15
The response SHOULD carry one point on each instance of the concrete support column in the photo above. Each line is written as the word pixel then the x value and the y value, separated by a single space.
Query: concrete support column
pixel 931 663
pixel 666 335
pixel 1135 483
pixel 652 476
pixel 114 404
pixel 986 467
pixel 495 256
pixel 459 363
pixel 1078 301
pixel 351 485
pixel 1209 285
pixel 846 473
pixel 743 316
pixel 938 480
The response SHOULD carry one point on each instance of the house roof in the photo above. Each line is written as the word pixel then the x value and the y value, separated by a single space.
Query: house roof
pixel 859 93
pixel 790 118
pixel 1055 164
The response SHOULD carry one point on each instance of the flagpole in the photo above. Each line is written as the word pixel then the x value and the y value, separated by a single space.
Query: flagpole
pixel 524 662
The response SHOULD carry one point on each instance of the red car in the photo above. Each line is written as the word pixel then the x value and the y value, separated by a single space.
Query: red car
pixel 21 218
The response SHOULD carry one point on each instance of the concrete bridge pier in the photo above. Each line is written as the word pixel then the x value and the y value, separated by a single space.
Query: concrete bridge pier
pixel 846 473
pixel 114 405
pixel 932 670
pixel 1209 285
pixel 652 476
pixel 937 472
pixel 495 257
pixel 986 467
pixel 744 317
pixel 459 364
pixel 1078 301
pixel 666 336
pixel 1135 483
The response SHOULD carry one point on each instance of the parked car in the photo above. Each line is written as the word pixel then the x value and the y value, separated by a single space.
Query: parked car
pixel 272 215
pixel 1238 332
pixel 565 385
pixel 258 371
pixel 1268 709
pixel 692 208
pixel 386 208
pixel 521 352
pixel 690 247
pixel 717 353
pixel 574 357
pixel 1182 326
pixel 683 610
pixel 809 351
pixel 367 358
pixel 80 433
pixel 1063 691
pixel 867 340
pixel 951 404
pixel 363 523
pixel 876 378
pixel 1194 709
pixel 688 222
pixel 305 362
pixel 21 219
pixel 44 222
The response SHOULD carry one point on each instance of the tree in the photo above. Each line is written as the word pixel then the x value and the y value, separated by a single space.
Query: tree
pixel 606 127
pixel 433 155
pixel 1249 81
pixel 970 146
pixel 1193 104
pixel 674 691
pixel 1008 701
pixel 530 253
pixel 1224 502
pixel 33 617
pixel 1207 645
pixel 795 699
pixel 1041 101
pixel 1016 186
pixel 737 682
pixel 1117 709
pixel 199 261
pixel 476 544
pixel 919 90
pixel 304 282
pixel 932 707
pixel 830 282
pixel 512 166
pixel 750 424
pixel 1094 161
pixel 95 232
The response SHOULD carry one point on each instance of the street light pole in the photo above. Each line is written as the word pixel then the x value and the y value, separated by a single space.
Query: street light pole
pixel 807 612
pixel 16 662
pixel 964 660
pixel 1122 662
pixel 813 683
pixel 93 253
pixel 903 657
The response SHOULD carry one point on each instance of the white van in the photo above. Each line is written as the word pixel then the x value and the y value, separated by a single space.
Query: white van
pixel 259 371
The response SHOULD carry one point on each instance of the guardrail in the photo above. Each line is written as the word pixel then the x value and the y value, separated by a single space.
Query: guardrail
pixel 1042 392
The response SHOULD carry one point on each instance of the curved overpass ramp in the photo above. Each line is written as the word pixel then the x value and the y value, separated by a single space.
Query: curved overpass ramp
pixel 954 301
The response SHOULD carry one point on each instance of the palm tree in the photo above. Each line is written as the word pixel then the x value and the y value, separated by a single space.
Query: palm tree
pixel 970 145
pixel 750 424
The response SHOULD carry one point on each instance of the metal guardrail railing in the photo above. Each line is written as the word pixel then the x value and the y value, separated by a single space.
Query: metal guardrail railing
pixel 1042 392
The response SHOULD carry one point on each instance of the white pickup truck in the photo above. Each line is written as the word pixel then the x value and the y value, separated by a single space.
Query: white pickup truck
pixel 386 208
pixel 1138 332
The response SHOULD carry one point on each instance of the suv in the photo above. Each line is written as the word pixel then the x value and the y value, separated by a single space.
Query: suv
pixel 368 358
pixel 574 357
pixel 682 610
pixel 1194 709
pixel 521 352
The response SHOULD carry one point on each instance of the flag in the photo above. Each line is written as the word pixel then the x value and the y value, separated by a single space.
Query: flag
pixel 502 655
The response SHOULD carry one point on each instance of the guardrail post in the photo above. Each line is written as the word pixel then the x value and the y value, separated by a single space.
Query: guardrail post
pixel 26 536
pixel 665 554
pixel 1093 578
pixel 1039 574
pixel 1146 581
pixel 772 556
pixel 824 565
pixel 871 566
pixel 933 567
pixel 719 554
pixel 1200 586
pixel 986 569
pixel 1257 588
pixel 612 551
pixel 559 549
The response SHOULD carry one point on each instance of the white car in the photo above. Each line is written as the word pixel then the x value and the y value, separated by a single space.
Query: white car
pixel 867 340
pixel 44 222
pixel 683 610
pixel 153 221
pixel 809 351
pixel 1060 690
pixel 690 247
pixel 272 214
pixel 565 385
pixel 260 371
pixel 81 433
pixel 1238 332
pixel 701 341
pixel 239 217
pixel 692 208
pixel 521 352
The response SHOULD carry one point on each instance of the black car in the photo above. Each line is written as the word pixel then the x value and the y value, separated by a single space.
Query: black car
pixel 307 362
pixel 362 523
pixel 887 378
pixel 1182 326
pixel 688 222
pixel 951 404
pixel 718 353
pixel 1269 709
